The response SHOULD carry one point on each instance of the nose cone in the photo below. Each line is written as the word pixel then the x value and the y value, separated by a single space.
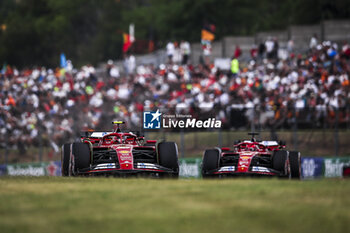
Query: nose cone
pixel 125 157
pixel 244 161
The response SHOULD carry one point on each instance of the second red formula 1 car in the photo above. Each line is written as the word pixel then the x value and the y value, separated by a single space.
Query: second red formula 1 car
pixel 252 158
pixel 119 153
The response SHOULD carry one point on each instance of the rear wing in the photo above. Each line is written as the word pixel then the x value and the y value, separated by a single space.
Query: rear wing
pixel 100 135
pixel 92 134
pixel 273 145
pixel 93 137
pixel 270 143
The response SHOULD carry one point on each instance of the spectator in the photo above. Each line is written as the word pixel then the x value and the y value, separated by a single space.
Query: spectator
pixel 254 52
pixel 275 49
pixel 177 58
pixel 170 50
pixel 346 50
pixel 269 45
pixel 238 52
pixel 261 51
pixel 185 51
pixel 290 46
pixel 130 64
pixel 57 104
pixel 313 42
pixel 234 66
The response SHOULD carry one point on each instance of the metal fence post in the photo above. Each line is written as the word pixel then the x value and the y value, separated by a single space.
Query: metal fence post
pixel 252 126
pixel 40 145
pixel 6 150
pixel 164 134
pixel 195 140
pixel 336 132
pixel 182 142
pixel 220 138
pixel 295 130
pixel 347 112
pixel 258 115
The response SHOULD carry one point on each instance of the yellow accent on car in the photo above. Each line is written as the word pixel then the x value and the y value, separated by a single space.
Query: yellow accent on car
pixel 117 122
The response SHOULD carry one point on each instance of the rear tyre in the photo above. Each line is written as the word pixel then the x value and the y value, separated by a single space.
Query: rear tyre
pixel 168 157
pixel 280 163
pixel 210 161
pixel 65 154
pixel 294 161
pixel 80 157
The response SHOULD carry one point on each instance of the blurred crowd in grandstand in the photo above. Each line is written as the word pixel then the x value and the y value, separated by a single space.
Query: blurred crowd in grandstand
pixel 272 92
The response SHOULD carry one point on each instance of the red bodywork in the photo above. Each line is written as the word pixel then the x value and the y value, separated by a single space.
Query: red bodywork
pixel 120 148
pixel 244 159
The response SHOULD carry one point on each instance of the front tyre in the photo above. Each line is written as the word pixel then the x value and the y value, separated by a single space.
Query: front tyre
pixel 65 154
pixel 168 157
pixel 210 162
pixel 280 162
pixel 295 161
pixel 80 157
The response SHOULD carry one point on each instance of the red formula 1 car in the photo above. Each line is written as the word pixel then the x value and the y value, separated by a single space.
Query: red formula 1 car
pixel 252 158
pixel 119 154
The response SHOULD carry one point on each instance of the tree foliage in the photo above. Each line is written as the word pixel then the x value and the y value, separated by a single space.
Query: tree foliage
pixel 89 31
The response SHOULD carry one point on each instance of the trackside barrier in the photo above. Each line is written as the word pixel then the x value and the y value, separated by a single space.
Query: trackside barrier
pixel 33 169
pixel 311 168
pixel 314 167
pixel 334 166
pixel 190 167
pixel 3 170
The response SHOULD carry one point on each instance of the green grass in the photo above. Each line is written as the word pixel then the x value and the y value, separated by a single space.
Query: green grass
pixel 56 204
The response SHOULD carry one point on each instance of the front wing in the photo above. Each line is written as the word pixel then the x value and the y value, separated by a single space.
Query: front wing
pixel 233 171
pixel 112 168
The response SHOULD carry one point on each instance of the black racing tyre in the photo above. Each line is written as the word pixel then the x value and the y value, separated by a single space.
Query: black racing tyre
pixel 65 154
pixel 81 155
pixel 295 161
pixel 210 162
pixel 280 162
pixel 168 157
